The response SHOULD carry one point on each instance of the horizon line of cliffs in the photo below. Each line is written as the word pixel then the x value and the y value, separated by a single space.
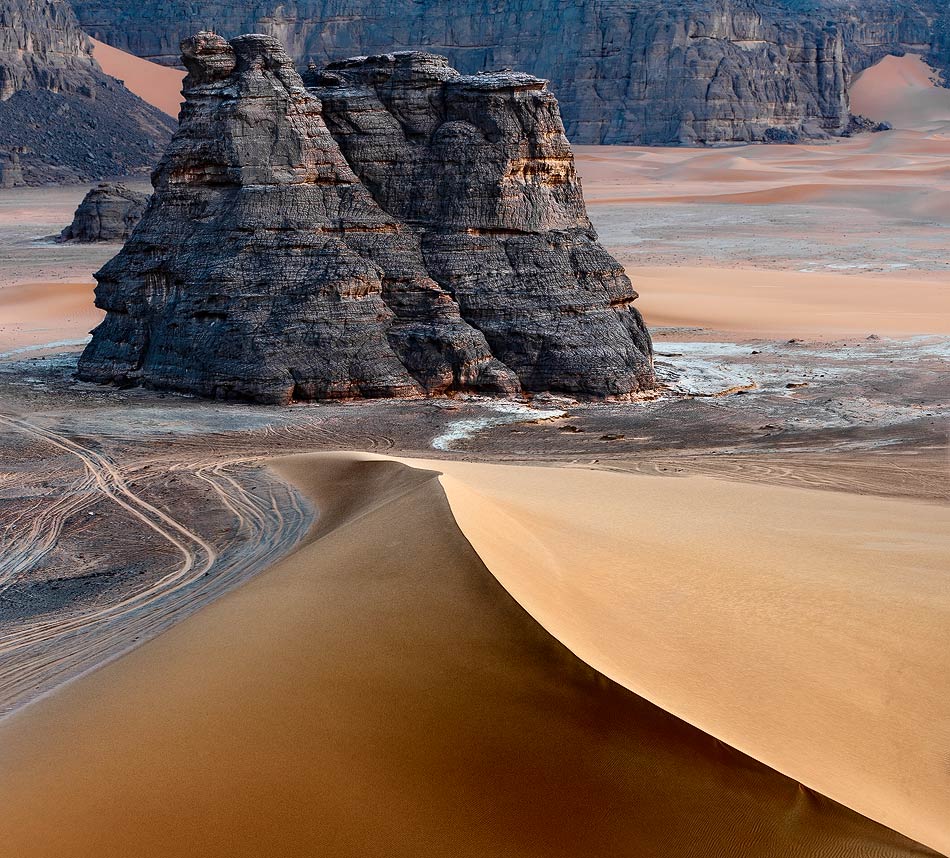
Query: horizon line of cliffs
pixel 386 227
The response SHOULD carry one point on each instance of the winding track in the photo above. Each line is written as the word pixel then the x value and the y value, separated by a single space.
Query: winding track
pixel 39 654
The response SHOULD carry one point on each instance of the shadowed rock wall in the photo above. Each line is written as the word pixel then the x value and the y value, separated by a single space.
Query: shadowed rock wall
pixel 624 71
pixel 62 118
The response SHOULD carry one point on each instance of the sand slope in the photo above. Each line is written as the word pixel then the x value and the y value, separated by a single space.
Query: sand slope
pixel 904 92
pixel 379 693
pixel 32 314
pixel 810 630
pixel 159 85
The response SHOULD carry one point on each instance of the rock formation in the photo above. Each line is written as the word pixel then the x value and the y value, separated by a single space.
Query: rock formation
pixel 108 212
pixel 435 241
pixel 62 117
pixel 11 171
pixel 625 71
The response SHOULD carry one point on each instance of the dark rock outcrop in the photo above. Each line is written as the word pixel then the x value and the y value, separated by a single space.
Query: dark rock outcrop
pixel 435 241
pixel 11 171
pixel 625 71
pixel 108 212
pixel 60 114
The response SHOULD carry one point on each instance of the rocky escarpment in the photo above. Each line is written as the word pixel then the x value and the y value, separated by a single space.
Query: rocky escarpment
pixel 108 212
pixel 62 118
pixel 436 241
pixel 625 71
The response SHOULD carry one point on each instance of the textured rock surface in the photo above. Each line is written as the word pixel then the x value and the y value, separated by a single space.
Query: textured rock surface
pixel 624 71
pixel 108 212
pixel 265 268
pixel 62 117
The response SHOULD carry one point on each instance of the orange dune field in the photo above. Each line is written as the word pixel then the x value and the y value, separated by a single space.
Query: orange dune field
pixel 759 303
pixel 379 693
pixel 32 314
pixel 159 85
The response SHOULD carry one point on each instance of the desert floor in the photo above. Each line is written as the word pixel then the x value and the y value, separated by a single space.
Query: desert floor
pixel 711 622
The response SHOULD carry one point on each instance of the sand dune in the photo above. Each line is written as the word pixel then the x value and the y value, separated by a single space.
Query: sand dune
pixel 35 313
pixel 808 629
pixel 379 693
pixel 758 303
pixel 159 85
pixel 904 92
pixel 897 173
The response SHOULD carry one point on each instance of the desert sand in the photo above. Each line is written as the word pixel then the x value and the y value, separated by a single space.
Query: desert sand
pixel 778 620
pixel 159 85
pixel 902 92
pixel 751 302
pixel 35 314
pixel 378 693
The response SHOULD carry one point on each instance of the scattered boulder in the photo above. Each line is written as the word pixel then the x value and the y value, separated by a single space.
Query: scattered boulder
pixel 108 212
pixel 415 232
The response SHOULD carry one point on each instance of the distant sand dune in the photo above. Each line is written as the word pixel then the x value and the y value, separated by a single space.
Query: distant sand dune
pixel 902 91
pixel 379 693
pixel 159 85
pixel 35 313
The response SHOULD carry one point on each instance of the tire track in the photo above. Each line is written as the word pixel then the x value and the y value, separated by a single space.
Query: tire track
pixel 38 655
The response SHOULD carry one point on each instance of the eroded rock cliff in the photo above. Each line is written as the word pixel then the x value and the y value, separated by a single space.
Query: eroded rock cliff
pixel 625 71
pixel 61 117
pixel 436 241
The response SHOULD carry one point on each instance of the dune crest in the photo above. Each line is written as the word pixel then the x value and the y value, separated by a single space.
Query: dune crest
pixel 903 91
pixel 807 629
pixel 378 693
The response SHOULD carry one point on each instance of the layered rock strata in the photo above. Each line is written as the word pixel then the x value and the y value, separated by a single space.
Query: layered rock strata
pixel 625 71
pixel 60 115
pixel 267 268
pixel 108 212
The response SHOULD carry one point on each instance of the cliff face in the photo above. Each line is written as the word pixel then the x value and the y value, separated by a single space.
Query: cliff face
pixel 436 241
pixel 62 118
pixel 624 71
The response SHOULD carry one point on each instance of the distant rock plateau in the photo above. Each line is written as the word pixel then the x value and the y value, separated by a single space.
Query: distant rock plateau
pixel 61 118
pixel 395 228
pixel 108 212
pixel 625 71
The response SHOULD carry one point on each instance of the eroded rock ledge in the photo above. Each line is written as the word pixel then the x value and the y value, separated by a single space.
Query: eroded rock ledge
pixel 399 229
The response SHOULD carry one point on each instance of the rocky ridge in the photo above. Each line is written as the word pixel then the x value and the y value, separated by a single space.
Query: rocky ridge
pixel 625 71
pixel 108 212
pixel 401 230
pixel 63 119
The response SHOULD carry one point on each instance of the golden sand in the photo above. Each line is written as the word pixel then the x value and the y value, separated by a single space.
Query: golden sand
pixel 159 85
pixel 379 693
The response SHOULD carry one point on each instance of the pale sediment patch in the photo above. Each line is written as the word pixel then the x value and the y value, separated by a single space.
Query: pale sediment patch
pixel 503 413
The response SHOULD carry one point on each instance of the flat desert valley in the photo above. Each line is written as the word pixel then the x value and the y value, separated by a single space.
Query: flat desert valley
pixel 719 614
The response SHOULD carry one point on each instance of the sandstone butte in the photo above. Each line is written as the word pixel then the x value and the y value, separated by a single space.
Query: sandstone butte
pixel 392 228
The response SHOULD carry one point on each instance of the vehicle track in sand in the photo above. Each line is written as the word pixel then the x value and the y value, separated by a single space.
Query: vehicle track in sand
pixel 40 653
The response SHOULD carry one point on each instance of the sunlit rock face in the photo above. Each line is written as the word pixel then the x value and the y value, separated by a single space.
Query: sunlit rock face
pixel 398 229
